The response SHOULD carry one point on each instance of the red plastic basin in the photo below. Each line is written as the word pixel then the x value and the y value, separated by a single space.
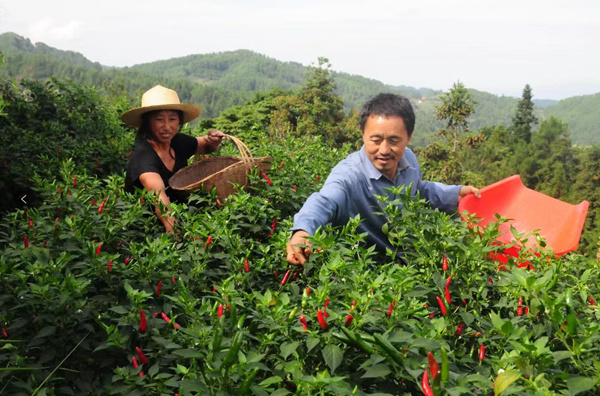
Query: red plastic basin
pixel 560 223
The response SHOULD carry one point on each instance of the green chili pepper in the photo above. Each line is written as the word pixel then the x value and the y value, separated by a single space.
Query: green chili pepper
pixel 218 336
pixel 571 318
pixel 232 354
pixel 245 387
pixel 388 348
pixel 445 366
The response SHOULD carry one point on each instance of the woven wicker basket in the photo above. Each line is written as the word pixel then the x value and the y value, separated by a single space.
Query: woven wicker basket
pixel 221 173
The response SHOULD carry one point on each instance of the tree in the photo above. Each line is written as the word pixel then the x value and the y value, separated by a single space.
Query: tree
pixel 524 119
pixel 321 110
pixel 457 105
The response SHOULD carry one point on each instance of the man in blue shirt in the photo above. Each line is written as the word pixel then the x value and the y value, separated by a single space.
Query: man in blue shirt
pixel 387 122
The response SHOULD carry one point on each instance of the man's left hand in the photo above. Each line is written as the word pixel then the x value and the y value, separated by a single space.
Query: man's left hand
pixel 466 190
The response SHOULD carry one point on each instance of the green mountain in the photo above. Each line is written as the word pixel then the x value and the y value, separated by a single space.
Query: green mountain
pixel 218 81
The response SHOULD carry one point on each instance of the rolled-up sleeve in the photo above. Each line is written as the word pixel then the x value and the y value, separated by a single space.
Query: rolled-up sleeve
pixel 326 205
pixel 439 195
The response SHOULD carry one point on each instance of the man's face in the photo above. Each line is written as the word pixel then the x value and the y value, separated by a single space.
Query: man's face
pixel 385 139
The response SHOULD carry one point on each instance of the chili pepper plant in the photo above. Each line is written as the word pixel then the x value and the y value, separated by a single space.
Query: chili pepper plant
pixel 438 314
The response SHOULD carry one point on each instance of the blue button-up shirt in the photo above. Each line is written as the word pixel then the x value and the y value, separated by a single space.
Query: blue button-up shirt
pixel 351 188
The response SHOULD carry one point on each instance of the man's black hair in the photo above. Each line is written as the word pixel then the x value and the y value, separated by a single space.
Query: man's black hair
pixel 388 104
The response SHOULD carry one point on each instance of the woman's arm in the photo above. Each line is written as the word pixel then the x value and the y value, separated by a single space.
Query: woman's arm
pixel 153 182
pixel 210 142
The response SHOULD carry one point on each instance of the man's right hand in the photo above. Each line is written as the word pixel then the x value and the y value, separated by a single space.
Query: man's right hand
pixel 297 254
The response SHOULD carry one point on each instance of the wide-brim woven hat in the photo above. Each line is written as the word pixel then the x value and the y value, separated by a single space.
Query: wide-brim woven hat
pixel 160 98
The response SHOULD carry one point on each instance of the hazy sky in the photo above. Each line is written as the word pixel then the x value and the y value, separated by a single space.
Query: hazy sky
pixel 496 47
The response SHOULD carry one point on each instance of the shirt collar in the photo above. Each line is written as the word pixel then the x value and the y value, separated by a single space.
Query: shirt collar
pixel 372 172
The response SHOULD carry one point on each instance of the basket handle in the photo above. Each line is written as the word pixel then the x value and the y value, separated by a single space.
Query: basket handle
pixel 245 153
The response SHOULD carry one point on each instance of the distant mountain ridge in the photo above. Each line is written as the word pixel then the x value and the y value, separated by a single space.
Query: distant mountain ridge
pixel 218 81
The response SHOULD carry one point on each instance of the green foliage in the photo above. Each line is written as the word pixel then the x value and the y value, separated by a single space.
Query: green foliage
pixel 44 124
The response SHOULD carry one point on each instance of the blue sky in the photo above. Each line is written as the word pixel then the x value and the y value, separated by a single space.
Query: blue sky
pixel 496 47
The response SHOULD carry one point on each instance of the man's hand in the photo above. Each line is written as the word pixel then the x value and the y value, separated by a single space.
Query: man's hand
pixel 297 254
pixel 466 190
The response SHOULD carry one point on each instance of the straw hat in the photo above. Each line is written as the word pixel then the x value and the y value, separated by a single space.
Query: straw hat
pixel 160 98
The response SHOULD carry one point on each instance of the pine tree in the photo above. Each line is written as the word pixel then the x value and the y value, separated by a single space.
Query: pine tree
pixel 524 119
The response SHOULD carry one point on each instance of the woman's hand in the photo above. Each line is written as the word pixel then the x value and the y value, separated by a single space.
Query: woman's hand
pixel 213 140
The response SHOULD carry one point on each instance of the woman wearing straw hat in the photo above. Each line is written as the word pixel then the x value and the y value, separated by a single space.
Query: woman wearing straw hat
pixel 160 150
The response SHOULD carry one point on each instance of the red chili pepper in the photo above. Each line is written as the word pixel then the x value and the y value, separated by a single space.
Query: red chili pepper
pixel 93 202
pixel 127 260
pixel 25 241
pixel 348 321
pixel 291 155
pixel 218 202
pixel 447 290
pixel 135 365
pixel 445 263
pixel 110 263
pixel 427 391
pixel 101 205
pixel 308 290
pixel 274 224
pixel 281 165
pixel 98 249
pixel 75 181
pixel 318 178
pixel 390 309
pixel 143 324
pixel 143 358
pixel 592 301
pixel 353 305
pixel 295 275
pixel 303 322
pixel 269 182
pixel 285 277
pixel 321 319
pixel 246 265
pixel 481 352
pixel 30 223
pixel 220 310
pixel 158 288
pixel 433 366
pixel 295 188
pixel 520 307
pixel 173 280
pixel 442 306
pixel 459 329
pixel 59 190
pixel 4 333
pixel 208 241
pixel 325 310
pixel 165 317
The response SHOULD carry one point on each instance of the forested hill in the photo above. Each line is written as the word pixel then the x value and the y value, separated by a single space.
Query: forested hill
pixel 221 80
